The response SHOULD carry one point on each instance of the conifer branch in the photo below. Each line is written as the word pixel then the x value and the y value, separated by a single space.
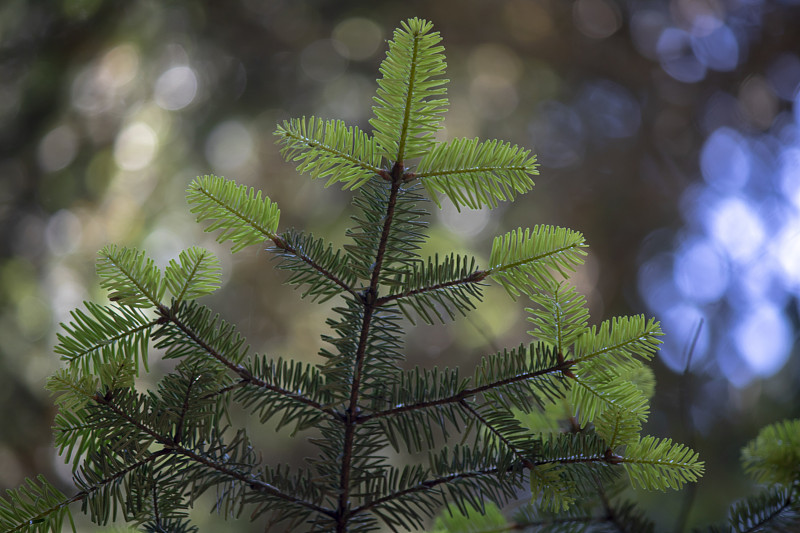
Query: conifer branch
pixel 523 261
pixel 775 508
pixel 150 458
pixel 244 217
pixel 425 486
pixel 595 395
pixel 153 454
pixel 330 149
pixel 475 277
pixel 178 434
pixel 619 339
pixel 368 300
pixel 467 393
pixel 173 446
pixel 43 514
pixel 660 464
pixel 774 455
pixel 199 273
pixel 284 246
pixel 397 172
pixel 253 483
pixel 241 382
pixel 92 337
pixel 553 521
pixel 245 375
pixel 475 173
pixel 409 102
pixel 498 434
pixel 132 277
pixel 412 75
pixel 36 506
pixel 596 458
pixel 562 318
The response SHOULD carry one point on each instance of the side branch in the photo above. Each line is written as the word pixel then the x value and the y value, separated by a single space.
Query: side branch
pixel 254 483
pixel 475 277
pixel 224 390
pixel 607 457
pixel 178 436
pixel 284 246
pixel 109 340
pixel 562 367
pixel 172 446
pixel 43 514
pixel 221 199
pixel 430 484
pixel 525 462
pixel 473 170
pixel 424 487
pixel 407 108
pixel 242 372
pixel 556 252
pixel 329 149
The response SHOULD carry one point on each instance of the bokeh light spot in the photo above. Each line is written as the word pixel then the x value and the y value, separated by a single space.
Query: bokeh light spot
pixel 98 87
pixel 680 323
pixel 657 284
pixel 717 49
pixel 493 98
pixel 787 250
pixel 789 174
pixel 758 280
pixel 725 160
pixel 87 95
pixel 495 70
pixel 495 61
pixel 357 38
pixel 344 98
pixel 763 339
pixel 175 88
pixel 758 102
pixel 66 290
pixel 674 49
pixel 119 66
pixel 797 107
pixel 63 233
pixel 229 146
pixel 466 223
pixel 737 227
pixel 33 317
pixel 135 146
pixel 597 19
pixel 701 272
pixel 57 149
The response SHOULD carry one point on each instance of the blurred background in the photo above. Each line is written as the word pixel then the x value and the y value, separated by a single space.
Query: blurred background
pixel 668 132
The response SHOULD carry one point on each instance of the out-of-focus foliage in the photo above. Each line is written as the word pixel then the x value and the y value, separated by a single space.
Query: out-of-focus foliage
pixel 772 459
pixel 644 115
pixel 774 456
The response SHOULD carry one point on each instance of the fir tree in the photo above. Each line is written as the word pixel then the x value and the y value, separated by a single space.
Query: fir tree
pixel 559 415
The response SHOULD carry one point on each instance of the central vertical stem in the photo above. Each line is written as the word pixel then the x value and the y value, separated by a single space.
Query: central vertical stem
pixel 368 301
